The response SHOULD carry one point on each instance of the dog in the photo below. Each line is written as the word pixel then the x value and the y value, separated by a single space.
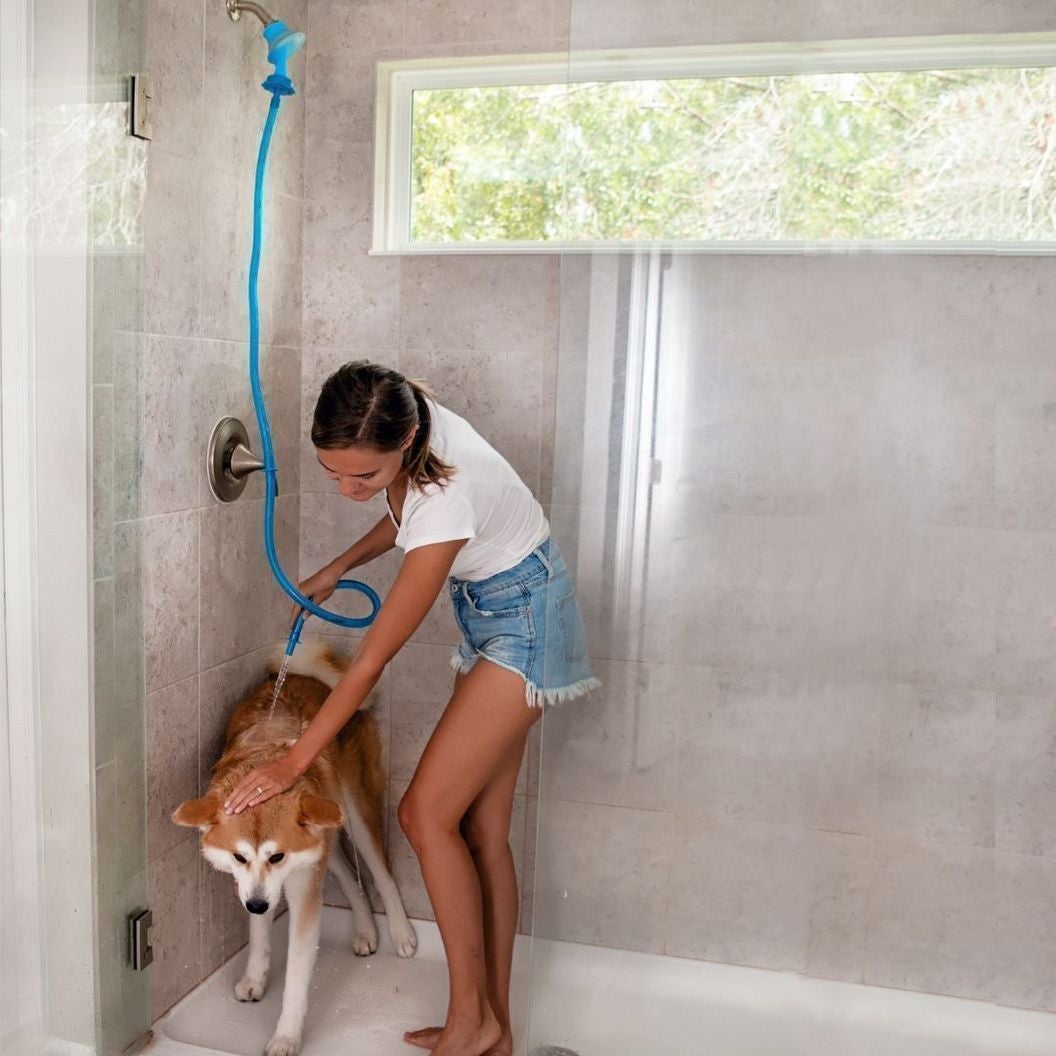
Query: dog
pixel 286 844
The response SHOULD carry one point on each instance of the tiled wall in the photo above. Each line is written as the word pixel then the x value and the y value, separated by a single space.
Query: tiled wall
pixel 186 607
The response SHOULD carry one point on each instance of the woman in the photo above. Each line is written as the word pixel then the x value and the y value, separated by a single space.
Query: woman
pixel 463 518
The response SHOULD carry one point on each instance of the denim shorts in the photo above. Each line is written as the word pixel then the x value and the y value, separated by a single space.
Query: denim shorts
pixel 526 619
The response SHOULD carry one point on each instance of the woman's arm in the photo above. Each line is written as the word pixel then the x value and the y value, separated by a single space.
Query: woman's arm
pixel 422 575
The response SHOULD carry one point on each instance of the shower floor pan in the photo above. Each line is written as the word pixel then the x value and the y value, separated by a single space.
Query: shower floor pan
pixel 595 1002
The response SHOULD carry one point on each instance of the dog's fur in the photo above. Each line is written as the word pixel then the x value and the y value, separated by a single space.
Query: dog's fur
pixel 343 785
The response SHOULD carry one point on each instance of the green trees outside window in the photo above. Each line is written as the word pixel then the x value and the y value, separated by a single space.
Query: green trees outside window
pixel 947 155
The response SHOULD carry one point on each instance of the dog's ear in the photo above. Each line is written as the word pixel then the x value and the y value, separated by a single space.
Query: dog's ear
pixel 197 813
pixel 318 811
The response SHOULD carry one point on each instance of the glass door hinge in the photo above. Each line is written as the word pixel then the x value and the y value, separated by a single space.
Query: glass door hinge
pixel 141 91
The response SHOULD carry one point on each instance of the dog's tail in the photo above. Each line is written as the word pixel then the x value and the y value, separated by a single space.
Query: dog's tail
pixel 313 658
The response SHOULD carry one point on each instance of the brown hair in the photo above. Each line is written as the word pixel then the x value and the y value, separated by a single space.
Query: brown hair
pixel 363 404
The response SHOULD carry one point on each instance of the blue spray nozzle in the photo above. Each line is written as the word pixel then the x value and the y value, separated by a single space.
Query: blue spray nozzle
pixel 282 43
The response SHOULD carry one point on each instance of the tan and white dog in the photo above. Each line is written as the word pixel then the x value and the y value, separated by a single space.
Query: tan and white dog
pixel 287 843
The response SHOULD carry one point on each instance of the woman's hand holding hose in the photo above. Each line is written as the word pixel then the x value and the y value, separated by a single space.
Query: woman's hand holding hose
pixel 318 587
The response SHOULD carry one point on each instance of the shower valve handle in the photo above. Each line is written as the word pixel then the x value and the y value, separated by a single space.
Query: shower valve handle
pixel 243 462
pixel 229 460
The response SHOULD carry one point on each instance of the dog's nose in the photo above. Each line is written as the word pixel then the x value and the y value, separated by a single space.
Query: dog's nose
pixel 257 905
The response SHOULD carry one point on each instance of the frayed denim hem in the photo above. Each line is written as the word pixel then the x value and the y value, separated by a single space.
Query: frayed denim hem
pixel 533 695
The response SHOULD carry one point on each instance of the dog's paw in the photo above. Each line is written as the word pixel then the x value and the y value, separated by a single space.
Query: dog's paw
pixel 366 941
pixel 283 1046
pixel 249 989
pixel 404 937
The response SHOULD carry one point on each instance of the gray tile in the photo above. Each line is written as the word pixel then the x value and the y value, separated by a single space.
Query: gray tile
pixel 1025 932
pixel 282 297
pixel 740 753
pixel 351 301
pixel 130 812
pixel 618 745
pixel 129 645
pixel 117 304
pixel 775 437
pixel 170 597
pixel 175 901
pixel 242 608
pixel 156 445
pixel 479 302
pixel 839 750
pixel 102 481
pixel 469 21
pixel 120 37
pixel 1025 422
pixel 932 919
pixel 740 893
pixel 341 170
pixel 842 866
pixel 942 607
pixel 223 261
pixel 172 282
pixel 602 874
pixel 174 50
pixel 106 708
pixel 595 24
pixel 156 603
pixel 234 65
pixel 936 766
pixel 1025 749
pixel 927 438
pixel 1022 561
pixel 172 762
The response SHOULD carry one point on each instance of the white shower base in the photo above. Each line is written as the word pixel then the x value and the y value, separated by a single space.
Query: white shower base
pixel 598 1002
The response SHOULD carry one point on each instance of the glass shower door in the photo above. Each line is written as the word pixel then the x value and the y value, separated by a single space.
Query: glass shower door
pixel 118 184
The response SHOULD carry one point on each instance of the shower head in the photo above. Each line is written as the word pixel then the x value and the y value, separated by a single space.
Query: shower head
pixel 282 41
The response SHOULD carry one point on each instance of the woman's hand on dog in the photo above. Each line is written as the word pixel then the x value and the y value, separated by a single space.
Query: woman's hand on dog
pixel 318 588
pixel 261 784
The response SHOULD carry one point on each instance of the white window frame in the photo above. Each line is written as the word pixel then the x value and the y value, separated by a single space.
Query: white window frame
pixel 398 80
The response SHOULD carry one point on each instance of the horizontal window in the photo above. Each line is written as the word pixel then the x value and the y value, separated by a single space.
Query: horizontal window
pixel 941 144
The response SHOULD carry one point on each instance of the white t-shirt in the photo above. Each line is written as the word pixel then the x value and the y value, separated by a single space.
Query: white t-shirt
pixel 485 502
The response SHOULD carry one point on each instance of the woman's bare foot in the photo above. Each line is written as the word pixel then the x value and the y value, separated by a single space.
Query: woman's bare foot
pixel 424 1037
pixel 503 1047
pixel 484 1039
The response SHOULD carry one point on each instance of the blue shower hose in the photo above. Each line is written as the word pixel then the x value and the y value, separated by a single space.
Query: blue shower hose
pixel 279 86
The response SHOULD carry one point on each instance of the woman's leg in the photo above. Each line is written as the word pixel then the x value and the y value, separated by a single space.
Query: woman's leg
pixel 486 829
pixel 482 723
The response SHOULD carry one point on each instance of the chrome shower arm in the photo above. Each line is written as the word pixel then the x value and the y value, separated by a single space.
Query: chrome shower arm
pixel 236 7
